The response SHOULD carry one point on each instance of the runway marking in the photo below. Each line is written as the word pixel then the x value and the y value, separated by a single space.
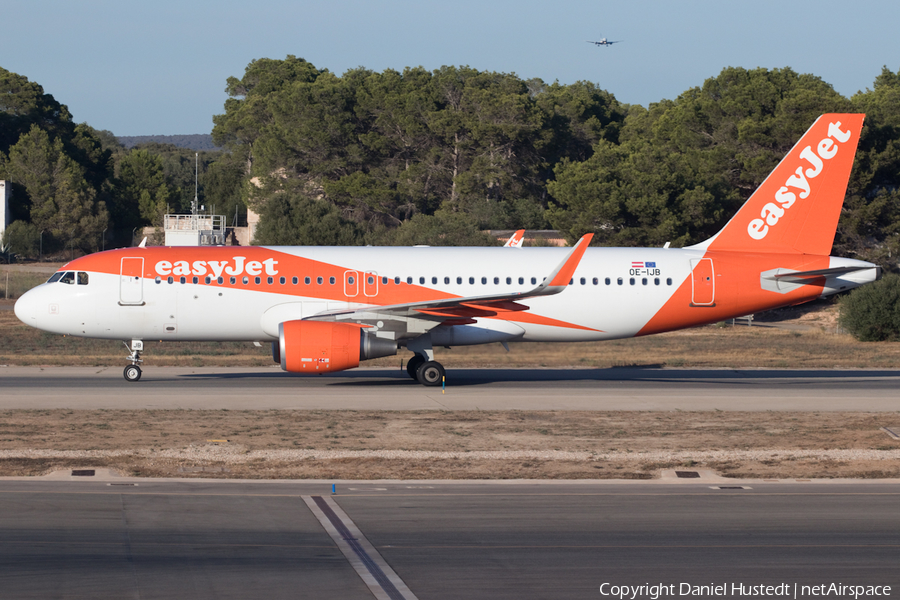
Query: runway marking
pixel 383 582
pixel 634 546
pixel 810 492
pixel 134 545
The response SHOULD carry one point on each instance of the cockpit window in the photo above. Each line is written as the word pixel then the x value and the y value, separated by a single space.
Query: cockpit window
pixel 55 277
pixel 82 278
pixel 68 277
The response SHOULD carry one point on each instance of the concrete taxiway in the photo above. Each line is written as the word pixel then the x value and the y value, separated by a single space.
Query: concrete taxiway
pixel 138 538
pixel 466 389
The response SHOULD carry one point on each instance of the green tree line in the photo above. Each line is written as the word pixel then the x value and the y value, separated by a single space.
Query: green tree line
pixel 404 157
pixel 77 189
pixel 436 157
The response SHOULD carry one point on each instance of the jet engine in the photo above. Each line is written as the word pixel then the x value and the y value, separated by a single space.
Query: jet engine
pixel 325 346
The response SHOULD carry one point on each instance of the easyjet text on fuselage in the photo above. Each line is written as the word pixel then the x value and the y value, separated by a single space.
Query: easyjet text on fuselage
pixel 237 265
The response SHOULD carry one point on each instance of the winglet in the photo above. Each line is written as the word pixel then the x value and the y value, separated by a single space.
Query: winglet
pixel 560 277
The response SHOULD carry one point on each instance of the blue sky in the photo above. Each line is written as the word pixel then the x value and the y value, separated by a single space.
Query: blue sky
pixel 160 67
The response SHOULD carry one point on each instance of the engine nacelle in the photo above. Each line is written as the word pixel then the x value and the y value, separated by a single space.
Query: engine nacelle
pixel 326 346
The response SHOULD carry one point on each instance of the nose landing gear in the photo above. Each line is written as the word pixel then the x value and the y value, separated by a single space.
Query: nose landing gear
pixel 133 371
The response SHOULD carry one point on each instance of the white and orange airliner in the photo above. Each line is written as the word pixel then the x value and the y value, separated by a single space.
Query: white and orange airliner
pixel 325 309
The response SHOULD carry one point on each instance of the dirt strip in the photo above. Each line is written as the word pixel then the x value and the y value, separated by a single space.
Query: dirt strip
pixel 449 445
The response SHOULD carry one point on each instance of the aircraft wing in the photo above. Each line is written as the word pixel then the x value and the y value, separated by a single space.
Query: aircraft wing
pixel 457 311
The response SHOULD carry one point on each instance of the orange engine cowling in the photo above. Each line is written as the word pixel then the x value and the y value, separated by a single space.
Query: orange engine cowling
pixel 323 347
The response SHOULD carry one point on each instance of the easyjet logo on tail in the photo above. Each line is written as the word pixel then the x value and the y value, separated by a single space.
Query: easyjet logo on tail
pixel 799 181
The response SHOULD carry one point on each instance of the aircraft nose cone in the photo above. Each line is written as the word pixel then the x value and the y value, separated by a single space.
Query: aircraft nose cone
pixel 25 308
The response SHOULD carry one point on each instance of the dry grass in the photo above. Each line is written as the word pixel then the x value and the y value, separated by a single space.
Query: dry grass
pixel 623 438
pixel 14 283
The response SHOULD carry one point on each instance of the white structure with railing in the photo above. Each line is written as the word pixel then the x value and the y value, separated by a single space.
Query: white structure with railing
pixel 194 230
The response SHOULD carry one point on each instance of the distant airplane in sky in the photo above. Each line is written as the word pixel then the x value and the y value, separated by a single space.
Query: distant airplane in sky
pixel 604 42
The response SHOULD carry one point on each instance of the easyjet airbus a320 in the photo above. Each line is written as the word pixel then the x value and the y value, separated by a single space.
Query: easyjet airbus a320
pixel 326 309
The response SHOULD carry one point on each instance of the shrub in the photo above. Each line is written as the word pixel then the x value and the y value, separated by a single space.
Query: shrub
pixel 872 313
pixel 22 238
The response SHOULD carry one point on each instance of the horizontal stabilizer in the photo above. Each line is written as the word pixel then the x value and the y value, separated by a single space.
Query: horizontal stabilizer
pixel 815 274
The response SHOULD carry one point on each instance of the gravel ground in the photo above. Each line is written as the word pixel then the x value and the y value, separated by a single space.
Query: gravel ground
pixel 450 444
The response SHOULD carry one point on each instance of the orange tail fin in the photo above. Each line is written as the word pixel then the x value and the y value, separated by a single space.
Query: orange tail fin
pixel 796 208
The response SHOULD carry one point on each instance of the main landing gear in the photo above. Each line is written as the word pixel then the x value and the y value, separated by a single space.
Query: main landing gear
pixel 427 372
pixel 133 371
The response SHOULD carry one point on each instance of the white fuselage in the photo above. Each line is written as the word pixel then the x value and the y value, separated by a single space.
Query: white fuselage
pixel 614 293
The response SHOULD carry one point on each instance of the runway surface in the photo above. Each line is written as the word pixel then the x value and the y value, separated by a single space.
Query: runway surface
pixel 129 538
pixel 466 389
